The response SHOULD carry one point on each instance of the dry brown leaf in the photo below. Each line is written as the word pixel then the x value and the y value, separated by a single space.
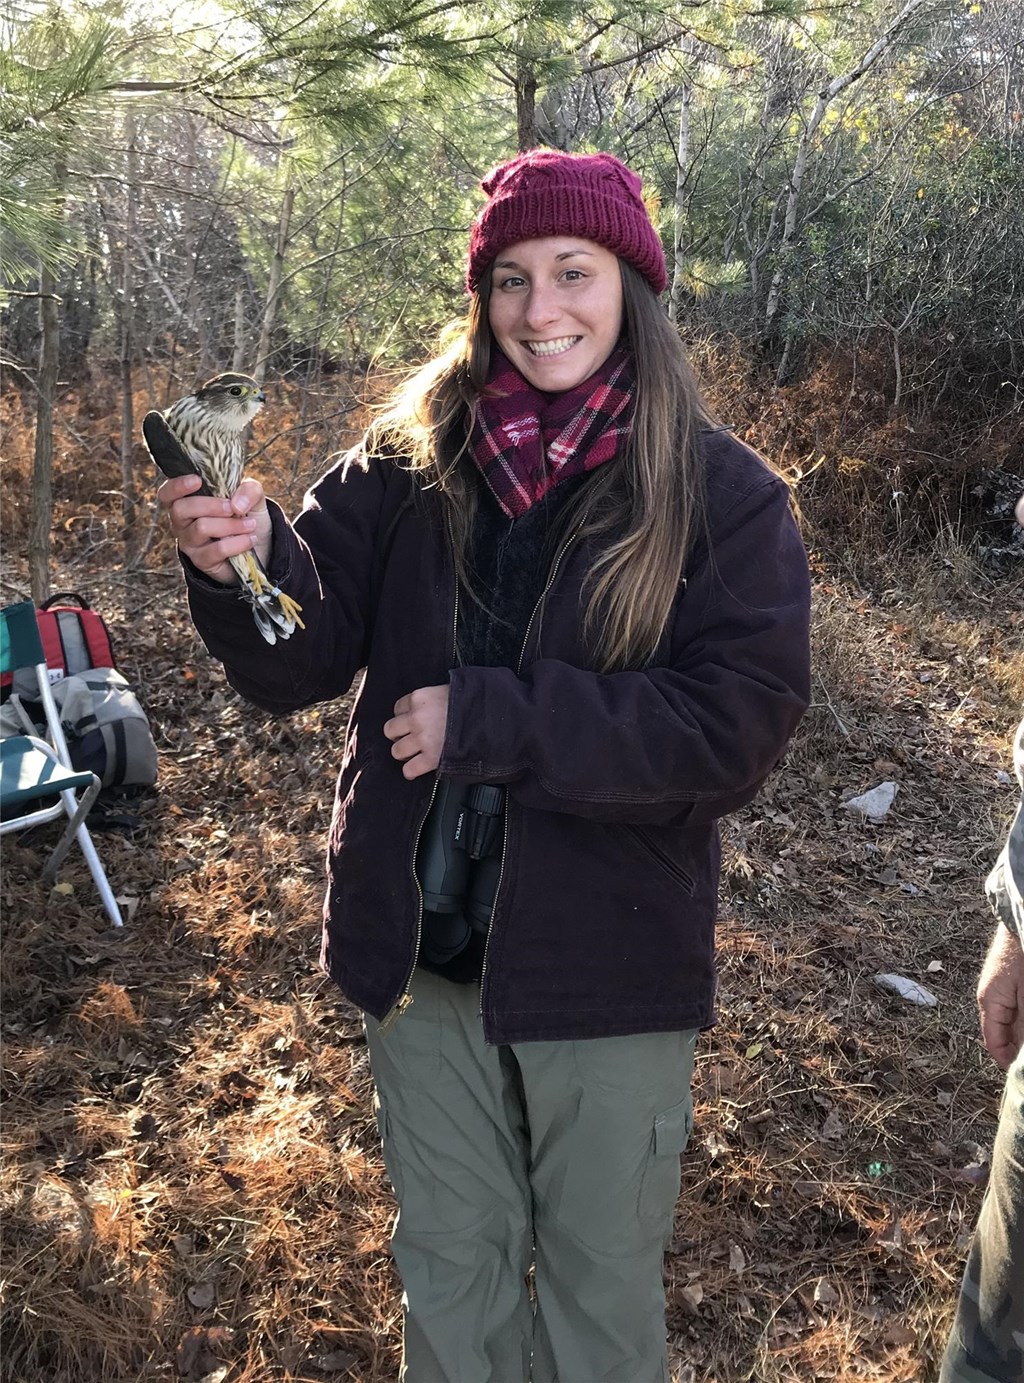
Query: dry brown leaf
pixel 833 1128
pixel 690 1296
pixel 825 1295
pixel 898 1333
pixel 334 1362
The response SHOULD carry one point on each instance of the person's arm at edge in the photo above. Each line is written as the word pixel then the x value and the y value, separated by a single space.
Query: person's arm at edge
pixel 1001 983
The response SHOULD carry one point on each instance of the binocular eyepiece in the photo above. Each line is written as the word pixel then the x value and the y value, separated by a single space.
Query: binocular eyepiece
pixel 457 864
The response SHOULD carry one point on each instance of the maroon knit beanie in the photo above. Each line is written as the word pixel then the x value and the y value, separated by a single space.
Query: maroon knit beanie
pixel 544 192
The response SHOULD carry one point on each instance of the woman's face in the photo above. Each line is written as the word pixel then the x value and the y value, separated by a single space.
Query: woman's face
pixel 556 308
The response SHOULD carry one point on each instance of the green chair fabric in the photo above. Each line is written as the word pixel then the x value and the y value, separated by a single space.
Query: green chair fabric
pixel 28 775
pixel 37 773
pixel 20 644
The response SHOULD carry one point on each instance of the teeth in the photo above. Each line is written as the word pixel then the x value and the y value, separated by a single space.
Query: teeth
pixel 551 347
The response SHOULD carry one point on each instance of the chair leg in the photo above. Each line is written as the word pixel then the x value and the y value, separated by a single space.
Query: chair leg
pixel 77 811
pixel 99 877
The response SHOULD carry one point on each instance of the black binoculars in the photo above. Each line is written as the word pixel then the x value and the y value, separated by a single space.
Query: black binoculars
pixel 458 863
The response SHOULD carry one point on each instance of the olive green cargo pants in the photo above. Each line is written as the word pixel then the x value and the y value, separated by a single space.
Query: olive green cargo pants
pixel 560 1154
pixel 986 1344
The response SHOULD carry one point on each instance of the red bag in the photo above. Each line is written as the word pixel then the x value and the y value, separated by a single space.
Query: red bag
pixel 74 640
pixel 74 637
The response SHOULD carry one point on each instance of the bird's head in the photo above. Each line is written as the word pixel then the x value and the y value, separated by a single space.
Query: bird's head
pixel 231 401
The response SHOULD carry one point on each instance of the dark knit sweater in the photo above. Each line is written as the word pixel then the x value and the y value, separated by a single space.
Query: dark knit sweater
pixel 509 562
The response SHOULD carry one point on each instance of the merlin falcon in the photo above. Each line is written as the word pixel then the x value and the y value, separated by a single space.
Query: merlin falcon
pixel 209 429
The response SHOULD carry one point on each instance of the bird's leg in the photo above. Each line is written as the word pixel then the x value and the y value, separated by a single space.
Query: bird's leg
pixel 257 577
pixel 263 589
pixel 290 608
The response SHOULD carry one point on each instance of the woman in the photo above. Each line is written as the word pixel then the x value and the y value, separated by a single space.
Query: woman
pixel 567 585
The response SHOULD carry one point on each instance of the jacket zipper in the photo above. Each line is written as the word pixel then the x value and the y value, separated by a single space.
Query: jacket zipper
pixel 504 827
pixel 405 998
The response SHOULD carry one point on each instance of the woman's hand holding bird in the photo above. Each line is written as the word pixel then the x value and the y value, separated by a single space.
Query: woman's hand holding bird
pixel 209 530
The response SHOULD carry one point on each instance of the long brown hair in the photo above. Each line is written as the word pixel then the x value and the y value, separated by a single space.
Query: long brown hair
pixel 643 507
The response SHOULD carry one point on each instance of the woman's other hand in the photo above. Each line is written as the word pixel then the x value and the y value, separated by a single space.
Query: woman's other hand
pixel 1001 997
pixel 209 531
pixel 417 730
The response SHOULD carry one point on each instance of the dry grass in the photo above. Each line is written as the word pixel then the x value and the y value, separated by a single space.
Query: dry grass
pixel 192 1185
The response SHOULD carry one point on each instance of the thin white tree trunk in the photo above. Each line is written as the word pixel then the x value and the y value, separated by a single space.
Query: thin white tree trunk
pixel 274 285
pixel 826 96
pixel 238 354
pixel 678 207
pixel 128 496
pixel 42 467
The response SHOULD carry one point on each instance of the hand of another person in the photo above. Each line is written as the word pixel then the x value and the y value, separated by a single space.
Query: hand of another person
pixel 417 730
pixel 209 531
pixel 1001 997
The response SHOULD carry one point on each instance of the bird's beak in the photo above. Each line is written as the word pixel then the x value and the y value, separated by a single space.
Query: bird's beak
pixel 261 397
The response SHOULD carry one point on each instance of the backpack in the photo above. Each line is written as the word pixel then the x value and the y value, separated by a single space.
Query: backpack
pixel 105 726
pixel 74 639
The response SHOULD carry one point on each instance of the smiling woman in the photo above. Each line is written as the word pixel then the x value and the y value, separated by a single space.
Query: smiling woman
pixel 556 309
pixel 583 613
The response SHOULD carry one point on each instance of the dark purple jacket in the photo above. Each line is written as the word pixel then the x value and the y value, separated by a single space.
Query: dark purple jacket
pixel 604 919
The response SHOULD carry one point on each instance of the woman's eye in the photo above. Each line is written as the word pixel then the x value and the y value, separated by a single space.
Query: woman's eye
pixel 513 281
pixel 573 274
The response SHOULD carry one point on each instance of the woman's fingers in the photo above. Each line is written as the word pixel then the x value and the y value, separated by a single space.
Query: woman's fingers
pixel 209 530
pixel 1001 997
pixel 416 730
pixel 249 497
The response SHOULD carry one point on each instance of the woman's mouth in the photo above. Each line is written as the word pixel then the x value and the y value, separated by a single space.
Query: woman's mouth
pixel 556 347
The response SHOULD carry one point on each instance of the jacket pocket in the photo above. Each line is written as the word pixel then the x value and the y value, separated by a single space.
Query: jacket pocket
pixel 661 858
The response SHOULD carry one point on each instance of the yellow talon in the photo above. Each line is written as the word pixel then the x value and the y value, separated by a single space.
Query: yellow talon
pixel 256 577
pixel 263 586
pixel 291 609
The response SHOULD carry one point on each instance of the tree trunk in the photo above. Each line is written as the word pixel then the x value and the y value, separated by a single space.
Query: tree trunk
pixel 526 105
pixel 128 495
pixel 678 207
pixel 274 285
pixel 314 362
pixel 42 469
pixel 826 96
pixel 238 353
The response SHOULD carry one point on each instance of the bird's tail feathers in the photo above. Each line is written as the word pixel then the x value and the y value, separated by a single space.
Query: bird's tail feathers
pixel 275 613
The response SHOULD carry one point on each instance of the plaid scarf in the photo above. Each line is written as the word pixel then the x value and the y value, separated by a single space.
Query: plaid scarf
pixel 525 441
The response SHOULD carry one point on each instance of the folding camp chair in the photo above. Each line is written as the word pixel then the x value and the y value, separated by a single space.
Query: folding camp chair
pixel 33 771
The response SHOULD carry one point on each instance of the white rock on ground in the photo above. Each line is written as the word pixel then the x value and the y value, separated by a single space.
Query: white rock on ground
pixel 875 803
pixel 907 989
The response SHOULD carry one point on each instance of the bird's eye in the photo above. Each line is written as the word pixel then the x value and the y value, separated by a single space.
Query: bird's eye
pixel 236 389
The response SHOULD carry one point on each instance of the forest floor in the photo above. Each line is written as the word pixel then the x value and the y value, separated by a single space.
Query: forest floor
pixel 192 1184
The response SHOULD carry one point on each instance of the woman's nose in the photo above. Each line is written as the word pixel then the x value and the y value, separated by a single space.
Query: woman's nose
pixel 541 307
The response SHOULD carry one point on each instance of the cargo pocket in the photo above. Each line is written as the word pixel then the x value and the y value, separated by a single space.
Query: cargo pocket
pixel 660 1187
pixel 380 1111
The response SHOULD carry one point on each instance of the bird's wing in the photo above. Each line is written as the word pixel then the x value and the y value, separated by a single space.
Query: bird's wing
pixel 167 451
